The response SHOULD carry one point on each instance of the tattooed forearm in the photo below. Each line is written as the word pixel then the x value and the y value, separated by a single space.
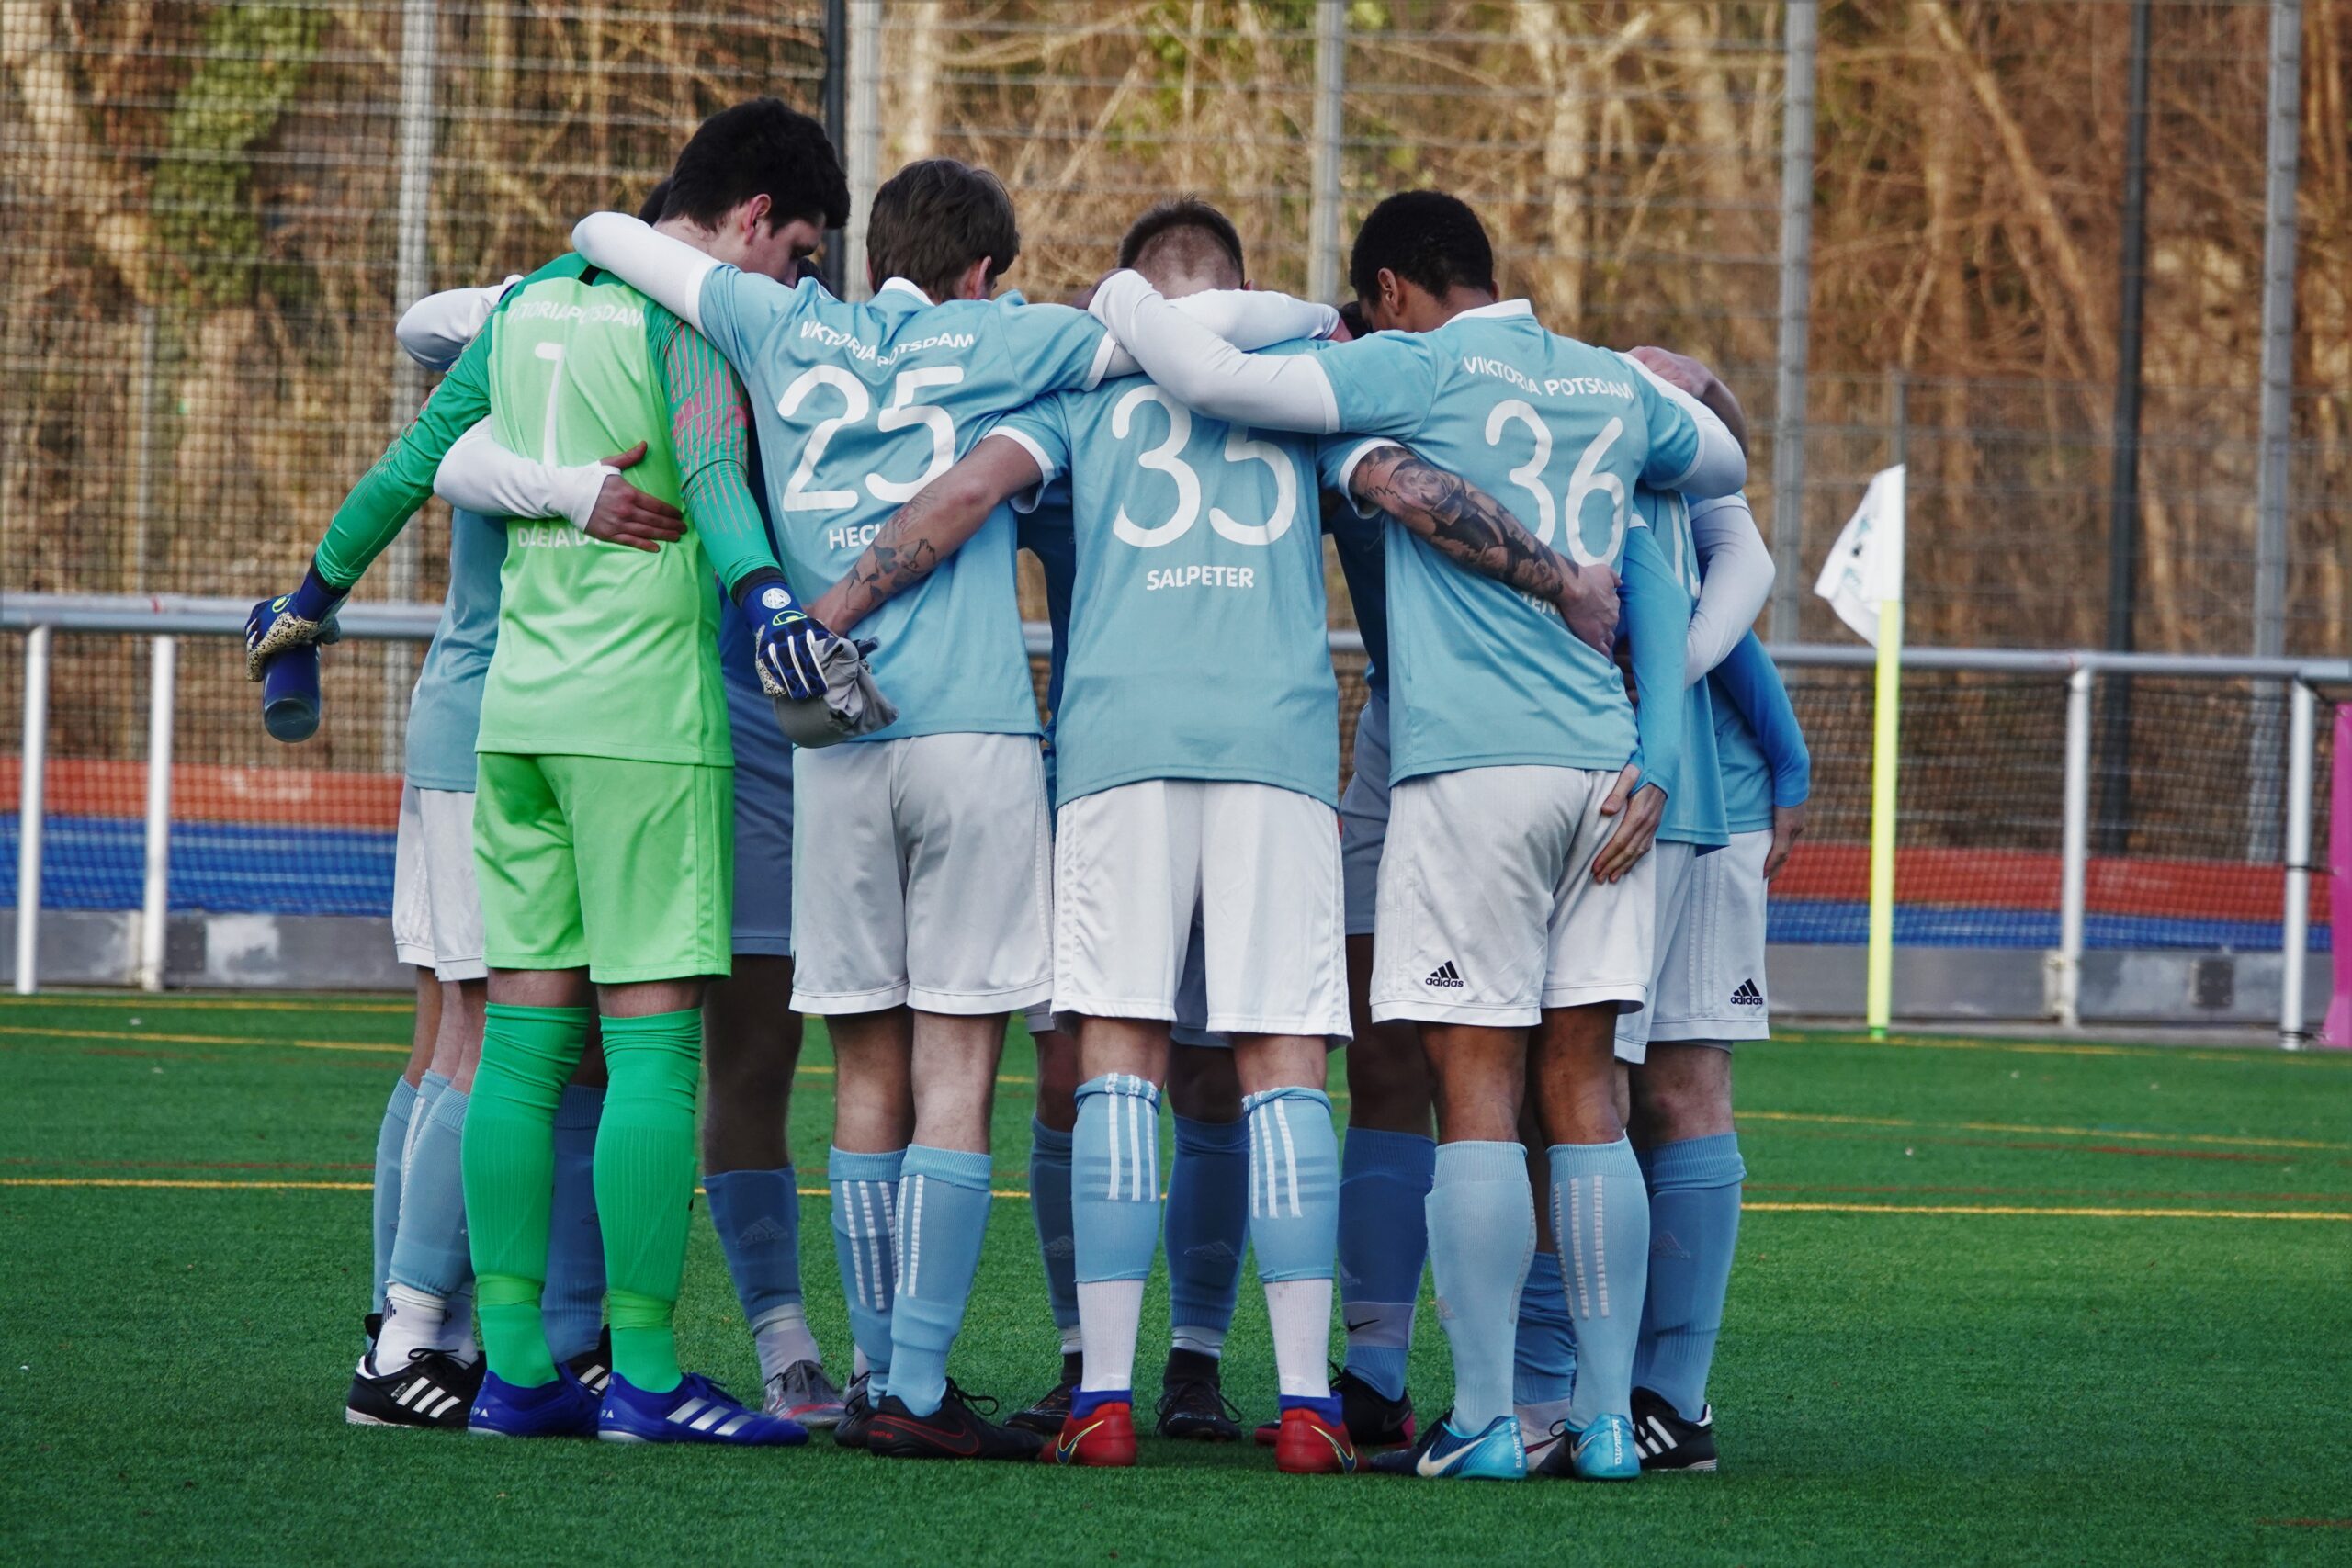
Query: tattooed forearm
pixel 902 554
pixel 1462 522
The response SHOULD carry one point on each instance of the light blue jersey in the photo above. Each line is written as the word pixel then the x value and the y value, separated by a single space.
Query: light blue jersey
pixel 1197 644
pixel 1695 805
pixel 860 407
pixel 1561 432
pixel 447 711
pixel 1761 751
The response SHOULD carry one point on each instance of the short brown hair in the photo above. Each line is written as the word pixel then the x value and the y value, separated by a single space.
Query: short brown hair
pixel 1194 236
pixel 932 220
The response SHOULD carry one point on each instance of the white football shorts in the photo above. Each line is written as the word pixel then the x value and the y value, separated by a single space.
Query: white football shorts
pixel 1260 865
pixel 921 873
pixel 1488 910
pixel 436 908
pixel 1676 865
pixel 1363 815
pixel 1711 988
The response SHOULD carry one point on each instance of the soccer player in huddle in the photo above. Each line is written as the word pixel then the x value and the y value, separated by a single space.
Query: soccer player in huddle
pixel 920 893
pixel 602 823
pixel 1514 895
pixel 1205 788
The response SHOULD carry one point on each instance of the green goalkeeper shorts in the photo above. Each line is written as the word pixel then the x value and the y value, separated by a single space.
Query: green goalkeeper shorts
pixel 622 866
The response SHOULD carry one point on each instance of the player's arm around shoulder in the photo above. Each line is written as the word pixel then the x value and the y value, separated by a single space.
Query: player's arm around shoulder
pixel 1478 533
pixel 1657 618
pixel 925 532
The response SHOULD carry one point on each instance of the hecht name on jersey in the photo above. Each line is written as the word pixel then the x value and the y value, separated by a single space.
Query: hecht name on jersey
pixel 855 538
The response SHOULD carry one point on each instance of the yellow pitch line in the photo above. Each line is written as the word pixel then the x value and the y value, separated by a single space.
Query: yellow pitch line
pixel 156 1037
pixel 1017 1195
pixel 2068 1213
pixel 2062 1048
pixel 2051 1131
pixel 150 1000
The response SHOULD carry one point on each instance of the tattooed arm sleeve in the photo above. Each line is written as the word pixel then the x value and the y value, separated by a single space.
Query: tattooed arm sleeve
pixel 1461 522
pixel 929 529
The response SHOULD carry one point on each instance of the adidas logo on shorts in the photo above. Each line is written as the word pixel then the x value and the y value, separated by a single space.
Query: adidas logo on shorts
pixel 1747 996
pixel 1446 975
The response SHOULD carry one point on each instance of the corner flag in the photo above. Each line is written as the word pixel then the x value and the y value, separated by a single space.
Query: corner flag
pixel 1862 580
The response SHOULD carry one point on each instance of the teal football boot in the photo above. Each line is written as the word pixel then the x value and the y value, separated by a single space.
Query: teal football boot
pixel 1602 1451
pixel 1496 1453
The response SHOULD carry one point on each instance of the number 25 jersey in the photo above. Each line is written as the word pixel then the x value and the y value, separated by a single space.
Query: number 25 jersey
pixel 859 407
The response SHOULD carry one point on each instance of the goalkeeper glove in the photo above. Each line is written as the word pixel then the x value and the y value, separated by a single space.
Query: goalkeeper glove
pixel 305 615
pixel 785 644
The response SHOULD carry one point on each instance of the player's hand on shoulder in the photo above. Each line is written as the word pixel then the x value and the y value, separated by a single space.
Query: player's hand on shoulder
pixel 625 515
pixel 1677 370
pixel 1789 824
pixel 305 615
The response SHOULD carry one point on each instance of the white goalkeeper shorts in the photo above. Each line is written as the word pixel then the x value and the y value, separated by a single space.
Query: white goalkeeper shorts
pixel 1711 988
pixel 921 873
pixel 1676 866
pixel 436 908
pixel 1260 864
pixel 1488 910
pixel 1363 815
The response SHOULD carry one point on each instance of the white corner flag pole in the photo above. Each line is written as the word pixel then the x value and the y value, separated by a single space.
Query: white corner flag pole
pixel 1862 580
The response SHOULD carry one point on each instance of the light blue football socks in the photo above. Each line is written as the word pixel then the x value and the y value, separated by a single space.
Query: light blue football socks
pixel 866 1213
pixel 1482 1233
pixel 757 1215
pixel 1544 1362
pixel 1384 1241
pixel 572 1307
pixel 1295 1230
pixel 1049 1207
pixel 430 1252
pixel 1114 1210
pixel 1695 1230
pixel 942 1218
pixel 1600 1214
pixel 1207 1225
pixel 392 1143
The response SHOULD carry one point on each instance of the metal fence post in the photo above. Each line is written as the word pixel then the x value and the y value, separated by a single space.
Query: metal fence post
pixel 35 754
pixel 1800 24
pixel 863 152
pixel 2294 924
pixel 1330 88
pixel 412 277
pixel 156 904
pixel 2074 848
pixel 2272 479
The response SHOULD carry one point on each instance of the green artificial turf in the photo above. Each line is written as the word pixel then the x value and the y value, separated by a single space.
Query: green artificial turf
pixel 1912 1371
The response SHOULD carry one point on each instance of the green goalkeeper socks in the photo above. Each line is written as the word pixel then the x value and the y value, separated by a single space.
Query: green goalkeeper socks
pixel 527 1056
pixel 645 1183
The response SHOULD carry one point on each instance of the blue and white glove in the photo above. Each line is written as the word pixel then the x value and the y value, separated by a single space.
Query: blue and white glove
pixel 307 615
pixel 786 646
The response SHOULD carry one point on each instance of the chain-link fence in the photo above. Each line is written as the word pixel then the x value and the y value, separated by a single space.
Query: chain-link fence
pixel 216 211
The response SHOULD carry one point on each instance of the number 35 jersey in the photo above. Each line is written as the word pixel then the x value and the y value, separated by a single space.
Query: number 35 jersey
pixel 1559 432
pixel 1197 640
pixel 859 407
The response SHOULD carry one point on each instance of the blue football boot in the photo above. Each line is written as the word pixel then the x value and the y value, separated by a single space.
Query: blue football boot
pixel 1602 1451
pixel 564 1408
pixel 1496 1453
pixel 696 1411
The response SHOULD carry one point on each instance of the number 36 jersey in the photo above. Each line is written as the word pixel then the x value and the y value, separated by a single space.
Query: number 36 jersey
pixel 860 406
pixel 1559 432
pixel 1197 640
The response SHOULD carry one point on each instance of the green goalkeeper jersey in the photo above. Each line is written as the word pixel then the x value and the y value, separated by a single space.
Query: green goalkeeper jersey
pixel 602 650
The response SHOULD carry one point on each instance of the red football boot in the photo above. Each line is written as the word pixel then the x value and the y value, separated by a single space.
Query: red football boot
pixel 1305 1444
pixel 1104 1437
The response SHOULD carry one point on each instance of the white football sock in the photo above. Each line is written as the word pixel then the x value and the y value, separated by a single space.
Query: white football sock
pixel 1209 1342
pixel 1301 1311
pixel 1073 1341
pixel 1111 1311
pixel 413 1322
pixel 783 1339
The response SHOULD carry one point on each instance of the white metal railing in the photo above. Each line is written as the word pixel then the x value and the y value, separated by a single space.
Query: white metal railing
pixel 166 619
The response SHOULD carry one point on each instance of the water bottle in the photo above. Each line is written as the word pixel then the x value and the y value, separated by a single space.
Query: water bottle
pixel 290 692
